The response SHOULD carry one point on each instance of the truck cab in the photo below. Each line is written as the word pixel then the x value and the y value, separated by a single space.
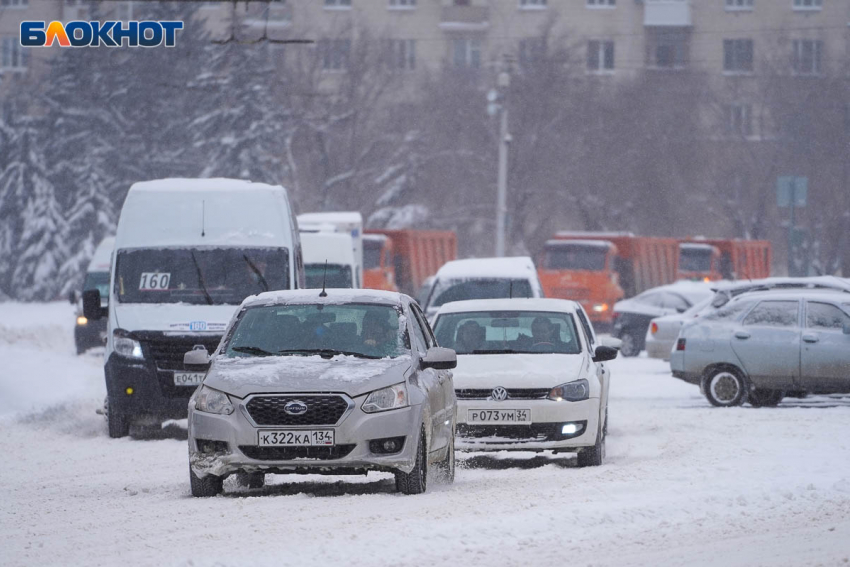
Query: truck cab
pixel 699 262
pixel 328 260
pixel 378 269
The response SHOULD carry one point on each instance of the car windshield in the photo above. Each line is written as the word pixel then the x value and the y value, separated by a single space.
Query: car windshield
pixel 372 253
pixel 204 276
pixel 695 259
pixel 98 281
pixel 508 332
pixel 337 276
pixel 575 257
pixel 355 329
pixel 446 291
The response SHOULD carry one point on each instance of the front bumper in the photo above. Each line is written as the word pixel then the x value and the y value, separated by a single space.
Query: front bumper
pixel 237 438
pixel 547 417
pixel 92 334
pixel 151 394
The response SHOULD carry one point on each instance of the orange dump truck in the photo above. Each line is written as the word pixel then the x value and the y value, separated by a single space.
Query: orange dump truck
pixel 727 259
pixel 378 268
pixel 415 255
pixel 598 269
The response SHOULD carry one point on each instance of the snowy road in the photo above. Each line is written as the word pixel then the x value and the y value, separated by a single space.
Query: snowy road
pixel 684 484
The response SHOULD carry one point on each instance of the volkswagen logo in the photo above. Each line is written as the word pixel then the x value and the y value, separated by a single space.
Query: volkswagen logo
pixel 499 394
pixel 295 407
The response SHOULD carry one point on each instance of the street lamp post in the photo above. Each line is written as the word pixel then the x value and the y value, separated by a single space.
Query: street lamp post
pixel 504 141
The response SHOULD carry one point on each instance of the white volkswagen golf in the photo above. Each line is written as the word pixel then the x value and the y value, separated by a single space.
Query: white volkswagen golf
pixel 530 376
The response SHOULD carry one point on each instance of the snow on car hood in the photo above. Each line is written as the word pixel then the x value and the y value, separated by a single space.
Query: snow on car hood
pixel 175 317
pixel 517 370
pixel 281 374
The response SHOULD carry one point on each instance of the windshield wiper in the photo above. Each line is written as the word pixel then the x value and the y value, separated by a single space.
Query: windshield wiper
pixel 328 353
pixel 256 351
pixel 201 279
pixel 256 272
pixel 497 351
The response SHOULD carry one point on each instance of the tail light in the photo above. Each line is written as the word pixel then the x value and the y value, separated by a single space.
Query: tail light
pixel 680 344
pixel 615 315
pixel 653 328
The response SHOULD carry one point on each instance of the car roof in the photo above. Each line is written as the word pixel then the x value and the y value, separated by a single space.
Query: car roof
pixel 534 304
pixel 514 267
pixel 795 294
pixel 828 282
pixel 334 297
pixel 691 290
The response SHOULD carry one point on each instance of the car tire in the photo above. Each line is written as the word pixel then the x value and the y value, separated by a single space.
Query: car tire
pixel 593 456
pixel 251 480
pixel 630 342
pixel 765 398
pixel 207 486
pixel 117 422
pixel 446 467
pixel 725 387
pixel 416 481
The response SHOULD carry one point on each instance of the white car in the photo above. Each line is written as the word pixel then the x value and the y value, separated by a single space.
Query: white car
pixel 529 376
pixel 482 278
pixel 663 331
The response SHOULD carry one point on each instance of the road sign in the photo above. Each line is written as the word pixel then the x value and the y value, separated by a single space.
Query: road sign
pixel 790 188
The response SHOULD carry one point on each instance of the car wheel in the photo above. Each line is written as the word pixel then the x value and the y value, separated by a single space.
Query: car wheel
pixel 207 486
pixel 725 387
pixel 765 398
pixel 593 456
pixel 629 345
pixel 251 480
pixel 446 467
pixel 415 482
pixel 117 422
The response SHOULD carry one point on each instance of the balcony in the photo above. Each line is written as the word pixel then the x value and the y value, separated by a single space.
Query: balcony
pixel 465 18
pixel 667 13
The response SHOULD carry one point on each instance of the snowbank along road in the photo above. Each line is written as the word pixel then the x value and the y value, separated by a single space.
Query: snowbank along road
pixel 684 483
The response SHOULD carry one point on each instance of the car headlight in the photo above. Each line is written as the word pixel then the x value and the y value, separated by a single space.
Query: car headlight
pixel 391 397
pixel 212 401
pixel 125 346
pixel 571 391
pixel 600 307
pixel 82 321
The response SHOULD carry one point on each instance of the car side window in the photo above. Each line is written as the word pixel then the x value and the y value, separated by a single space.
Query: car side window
pixel 430 341
pixel 825 317
pixel 674 301
pixel 419 336
pixel 655 299
pixel 773 314
pixel 588 331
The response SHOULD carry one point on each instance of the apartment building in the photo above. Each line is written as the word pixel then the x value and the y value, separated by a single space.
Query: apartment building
pixel 728 41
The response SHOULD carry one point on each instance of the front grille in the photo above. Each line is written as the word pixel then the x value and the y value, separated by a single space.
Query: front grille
pixel 533 432
pixel 167 352
pixel 321 410
pixel 292 453
pixel 513 394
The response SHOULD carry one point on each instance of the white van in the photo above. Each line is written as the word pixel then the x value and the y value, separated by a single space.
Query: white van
pixel 187 252
pixel 482 278
pixel 328 260
pixel 88 334
pixel 350 222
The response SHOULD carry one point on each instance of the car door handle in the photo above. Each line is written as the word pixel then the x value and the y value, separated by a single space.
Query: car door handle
pixel 742 335
pixel 810 338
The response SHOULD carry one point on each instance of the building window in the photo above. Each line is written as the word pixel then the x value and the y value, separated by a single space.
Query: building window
pixel 400 54
pixel 14 3
pixel 807 56
pixel 532 3
pixel 466 53
pixel 334 53
pixel 402 3
pixel 667 49
pixel 808 4
pixel 14 56
pixel 600 56
pixel 601 3
pixel 739 4
pixel 337 3
pixel 738 55
pixel 739 120
pixel 532 51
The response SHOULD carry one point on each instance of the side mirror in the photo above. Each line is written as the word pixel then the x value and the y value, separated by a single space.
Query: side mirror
pixel 439 358
pixel 611 342
pixel 198 357
pixel 604 353
pixel 91 305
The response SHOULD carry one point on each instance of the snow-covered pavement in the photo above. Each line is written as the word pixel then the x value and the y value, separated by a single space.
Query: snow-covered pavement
pixel 684 483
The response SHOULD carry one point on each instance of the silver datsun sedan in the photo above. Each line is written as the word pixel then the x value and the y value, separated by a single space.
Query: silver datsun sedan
pixel 762 346
pixel 342 382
